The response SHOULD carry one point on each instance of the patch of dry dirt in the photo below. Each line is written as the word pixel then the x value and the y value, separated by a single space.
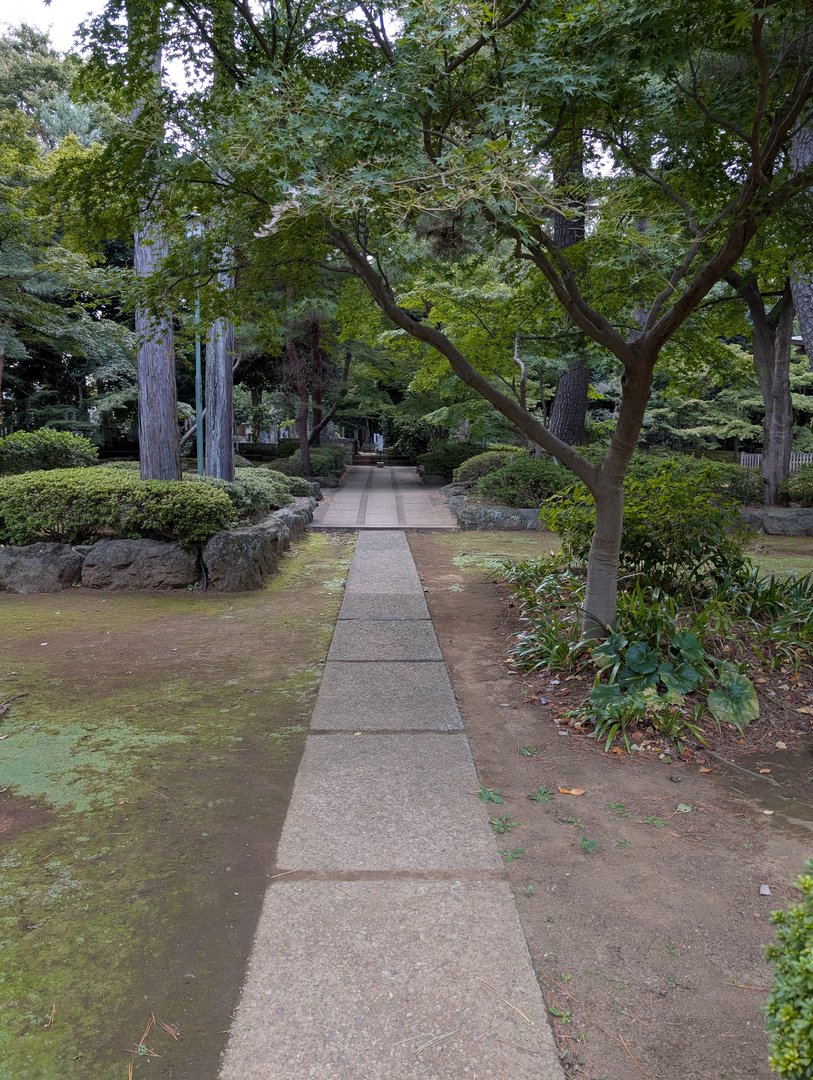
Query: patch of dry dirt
pixel 640 898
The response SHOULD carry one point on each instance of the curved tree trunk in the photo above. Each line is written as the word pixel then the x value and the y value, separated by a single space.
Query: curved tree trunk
pixel 317 378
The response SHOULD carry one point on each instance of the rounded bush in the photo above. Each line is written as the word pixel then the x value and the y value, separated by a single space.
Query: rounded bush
pixel 482 464
pixel 524 481
pixel 253 492
pixel 789 1009
pixel 76 506
pixel 27 451
pixel 676 535
pixel 445 457
pixel 798 487
pixel 324 460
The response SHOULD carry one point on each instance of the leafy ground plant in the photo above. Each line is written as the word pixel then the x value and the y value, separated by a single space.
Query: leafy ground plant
pixel 789 1009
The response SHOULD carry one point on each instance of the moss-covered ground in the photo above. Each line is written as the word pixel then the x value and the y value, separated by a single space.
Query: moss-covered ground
pixel 146 757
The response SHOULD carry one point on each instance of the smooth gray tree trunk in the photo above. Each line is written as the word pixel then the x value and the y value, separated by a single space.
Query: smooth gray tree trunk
pixel 219 386
pixel 158 444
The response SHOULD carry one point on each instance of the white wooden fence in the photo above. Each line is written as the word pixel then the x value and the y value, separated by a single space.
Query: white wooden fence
pixel 754 461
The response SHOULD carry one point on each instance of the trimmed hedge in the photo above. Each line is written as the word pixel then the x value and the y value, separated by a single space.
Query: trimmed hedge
pixel 789 1009
pixel 27 451
pixel 444 458
pixel 254 492
pixel 798 487
pixel 324 460
pixel 482 464
pixel 524 481
pixel 77 506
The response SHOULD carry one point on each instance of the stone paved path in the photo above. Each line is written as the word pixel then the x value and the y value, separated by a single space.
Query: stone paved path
pixel 389 946
pixel 388 498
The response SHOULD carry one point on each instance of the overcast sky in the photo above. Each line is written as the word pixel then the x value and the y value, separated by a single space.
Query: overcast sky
pixel 60 18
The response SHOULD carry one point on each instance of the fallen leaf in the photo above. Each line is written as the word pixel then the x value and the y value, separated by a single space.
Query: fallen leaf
pixel 685 808
pixel 571 790
pixel 781 745
pixel 768 813
pixel 763 771
pixel 705 770
pixel 806 710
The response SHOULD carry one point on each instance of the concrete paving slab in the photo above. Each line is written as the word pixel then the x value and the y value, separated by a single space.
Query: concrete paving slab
pixel 390 980
pixel 391 606
pixel 382 499
pixel 373 639
pixel 372 696
pixel 387 802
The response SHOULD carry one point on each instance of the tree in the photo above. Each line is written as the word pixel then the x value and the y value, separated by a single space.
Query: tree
pixel 702 159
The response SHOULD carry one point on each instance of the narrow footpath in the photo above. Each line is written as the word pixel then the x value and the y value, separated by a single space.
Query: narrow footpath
pixel 392 497
pixel 389 946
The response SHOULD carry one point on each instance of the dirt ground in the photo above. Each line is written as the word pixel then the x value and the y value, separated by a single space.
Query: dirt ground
pixel 640 898
pixel 146 760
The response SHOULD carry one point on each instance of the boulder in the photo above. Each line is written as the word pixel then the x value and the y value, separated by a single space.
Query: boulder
pixel 434 479
pixel 139 564
pixel 752 518
pixel 297 515
pixel 788 521
pixel 39 568
pixel 238 560
pixel 489 516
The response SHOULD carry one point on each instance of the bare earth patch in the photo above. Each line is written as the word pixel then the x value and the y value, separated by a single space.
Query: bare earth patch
pixel 640 898
pixel 146 762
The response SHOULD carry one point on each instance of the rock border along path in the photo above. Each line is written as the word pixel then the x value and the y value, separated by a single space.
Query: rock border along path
pixel 389 946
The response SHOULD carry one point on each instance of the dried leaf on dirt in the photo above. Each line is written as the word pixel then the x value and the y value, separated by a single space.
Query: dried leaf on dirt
pixel 571 791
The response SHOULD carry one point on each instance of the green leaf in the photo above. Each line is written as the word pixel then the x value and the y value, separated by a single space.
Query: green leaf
pixel 689 646
pixel 734 701
pixel 680 678
pixel 641 658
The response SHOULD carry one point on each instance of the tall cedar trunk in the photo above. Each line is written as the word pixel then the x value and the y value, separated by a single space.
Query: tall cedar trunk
pixel 219 430
pixel 569 413
pixel 771 343
pixel 296 369
pixel 317 377
pixel 772 361
pixel 802 283
pixel 158 446
pixel 2 368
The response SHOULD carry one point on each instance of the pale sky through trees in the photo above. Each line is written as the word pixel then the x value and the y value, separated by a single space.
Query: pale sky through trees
pixel 60 18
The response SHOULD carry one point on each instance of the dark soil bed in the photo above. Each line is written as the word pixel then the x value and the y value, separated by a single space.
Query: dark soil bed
pixel 640 898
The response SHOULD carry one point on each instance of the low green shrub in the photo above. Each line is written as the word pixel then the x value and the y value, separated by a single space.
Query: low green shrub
pixel 443 458
pixel 733 482
pixel 324 460
pixel 789 1009
pixel 524 481
pixel 253 492
pixel 482 464
pixel 27 451
pixel 798 487
pixel 676 535
pixel 286 447
pixel 76 506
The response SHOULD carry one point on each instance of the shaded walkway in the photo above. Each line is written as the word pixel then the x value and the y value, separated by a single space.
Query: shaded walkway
pixel 389 946
pixel 388 498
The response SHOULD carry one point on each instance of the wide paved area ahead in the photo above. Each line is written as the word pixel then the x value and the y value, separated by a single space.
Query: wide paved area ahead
pixel 387 498
pixel 389 946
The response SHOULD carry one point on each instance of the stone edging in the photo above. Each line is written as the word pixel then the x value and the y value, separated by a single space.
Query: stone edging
pixel 489 516
pixel 779 520
pixel 235 560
